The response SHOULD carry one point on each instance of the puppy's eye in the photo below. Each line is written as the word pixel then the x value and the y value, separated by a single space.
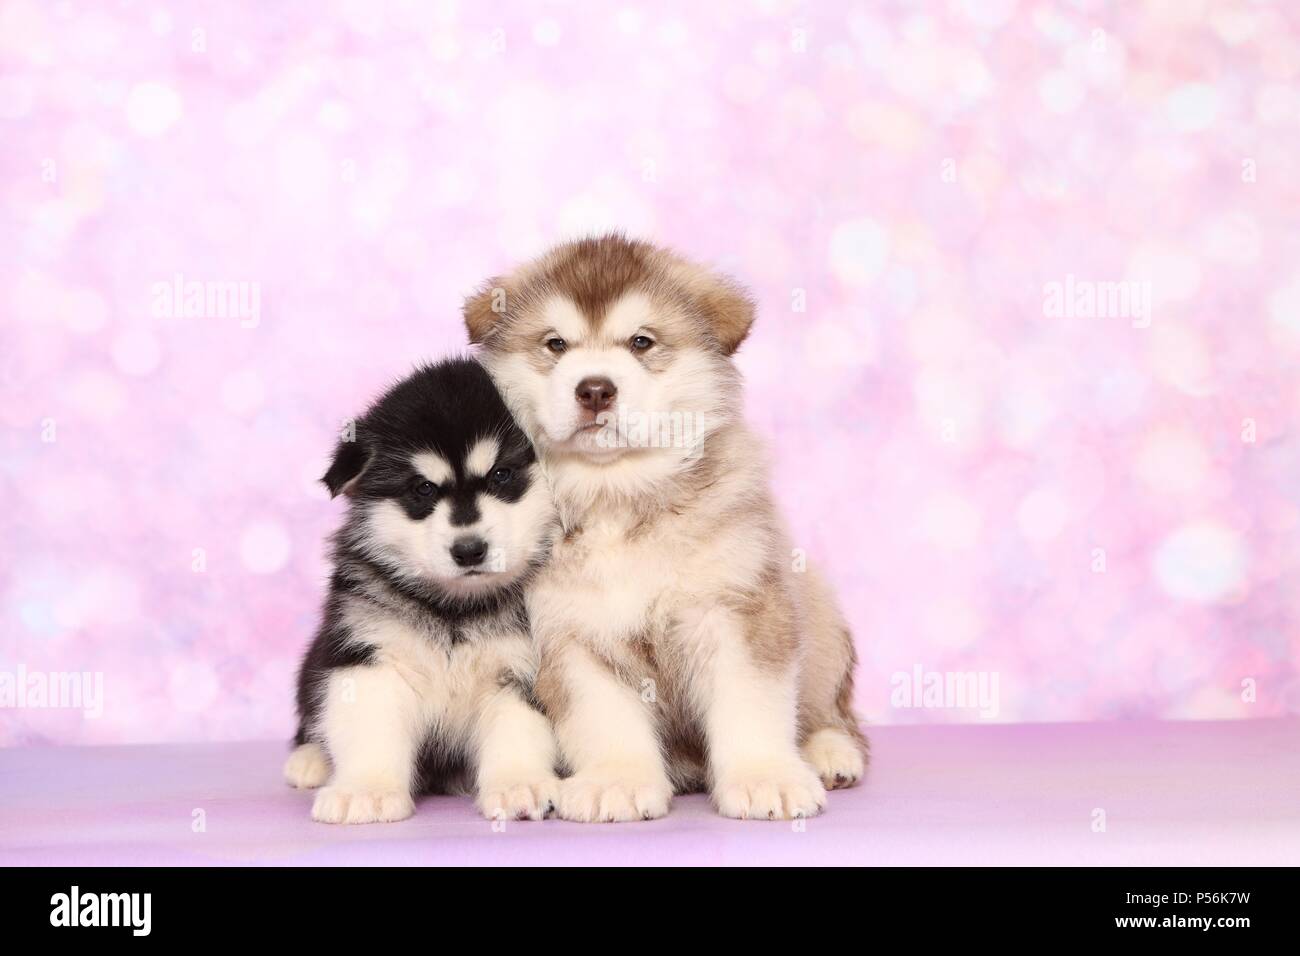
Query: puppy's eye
pixel 556 344
pixel 501 476
pixel 641 342
pixel 425 489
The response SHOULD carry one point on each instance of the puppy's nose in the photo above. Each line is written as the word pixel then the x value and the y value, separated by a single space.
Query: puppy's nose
pixel 595 393
pixel 469 551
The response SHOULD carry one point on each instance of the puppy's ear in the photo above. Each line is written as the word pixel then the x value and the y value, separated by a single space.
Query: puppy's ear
pixel 350 460
pixel 484 309
pixel 729 309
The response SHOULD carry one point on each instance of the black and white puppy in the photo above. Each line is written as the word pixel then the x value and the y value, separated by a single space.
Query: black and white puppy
pixel 420 677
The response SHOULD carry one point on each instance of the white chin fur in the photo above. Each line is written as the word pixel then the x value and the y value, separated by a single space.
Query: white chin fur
pixel 596 444
pixel 468 585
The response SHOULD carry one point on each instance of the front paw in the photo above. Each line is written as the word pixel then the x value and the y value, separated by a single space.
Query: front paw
pixel 838 759
pixel 782 790
pixel 519 799
pixel 307 767
pixel 360 805
pixel 596 796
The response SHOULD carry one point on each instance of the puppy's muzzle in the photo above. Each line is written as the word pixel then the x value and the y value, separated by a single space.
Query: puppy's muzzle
pixel 469 551
pixel 595 394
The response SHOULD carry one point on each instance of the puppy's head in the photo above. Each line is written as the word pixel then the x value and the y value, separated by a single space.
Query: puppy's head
pixel 608 347
pixel 444 485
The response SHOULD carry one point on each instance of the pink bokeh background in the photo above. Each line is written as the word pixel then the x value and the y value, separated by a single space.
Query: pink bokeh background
pixel 1103 512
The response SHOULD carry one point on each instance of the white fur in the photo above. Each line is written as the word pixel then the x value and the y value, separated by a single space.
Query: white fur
pixel 649 563
pixel 516 760
pixel 514 531
pixel 373 724
pixel 374 717
pixel 432 466
pixel 482 457
pixel 307 767
pixel 606 734
pixel 835 756
pixel 631 315
pixel 750 727
pixel 545 405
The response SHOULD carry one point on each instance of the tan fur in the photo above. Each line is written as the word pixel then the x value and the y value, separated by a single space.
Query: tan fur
pixel 680 647
pixel 593 273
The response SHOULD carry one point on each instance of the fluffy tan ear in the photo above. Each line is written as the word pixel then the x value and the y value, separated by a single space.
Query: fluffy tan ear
pixel 484 309
pixel 730 309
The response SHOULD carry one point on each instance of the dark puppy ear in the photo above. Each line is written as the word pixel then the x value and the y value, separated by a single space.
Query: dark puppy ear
pixel 350 460
pixel 729 309
pixel 483 309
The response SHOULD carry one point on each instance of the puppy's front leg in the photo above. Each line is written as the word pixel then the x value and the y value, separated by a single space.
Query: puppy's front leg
pixel 372 726
pixel 608 739
pixel 516 759
pixel 750 713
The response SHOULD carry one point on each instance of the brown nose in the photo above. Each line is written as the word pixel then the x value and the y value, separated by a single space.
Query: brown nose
pixel 596 394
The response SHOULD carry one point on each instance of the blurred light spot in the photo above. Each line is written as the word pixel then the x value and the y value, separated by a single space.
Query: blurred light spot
pixel 546 33
pixel 606 205
pixel 97 396
pixel 1042 514
pixel 136 352
pixel 858 249
pixel 160 22
pixel 1172 461
pixel 243 391
pixel 264 547
pixel 193 686
pixel 951 522
pixel 16 97
pixel 1284 313
pixel 885 125
pixel 1180 357
pixel 938 335
pixel 986 13
pixel 99 596
pixel 152 108
pixel 951 403
pixel 950 624
pixel 1276 105
pixel 1174 274
pixel 1061 91
pixel 1235 26
pixel 335 115
pixel 840 344
pixel 629 20
pixel 304 167
pixel 1121 393
pixel 1192 107
pixel 85 311
pixel 1203 562
pixel 1232 237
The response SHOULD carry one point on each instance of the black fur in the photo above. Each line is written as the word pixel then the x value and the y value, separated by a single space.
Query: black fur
pixel 444 408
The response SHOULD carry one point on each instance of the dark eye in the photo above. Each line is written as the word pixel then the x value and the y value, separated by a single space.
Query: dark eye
pixel 556 344
pixel 502 475
pixel 425 488
pixel 642 342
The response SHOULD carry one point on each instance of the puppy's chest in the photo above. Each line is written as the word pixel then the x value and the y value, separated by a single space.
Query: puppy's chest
pixel 445 673
pixel 606 582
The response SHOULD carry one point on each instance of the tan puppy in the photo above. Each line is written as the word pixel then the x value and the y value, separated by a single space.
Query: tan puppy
pixel 682 644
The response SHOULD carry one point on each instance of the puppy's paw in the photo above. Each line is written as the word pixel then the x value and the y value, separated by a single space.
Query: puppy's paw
pixel 307 767
pixel 837 758
pixel 781 790
pixel 596 796
pixel 358 805
pixel 519 799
